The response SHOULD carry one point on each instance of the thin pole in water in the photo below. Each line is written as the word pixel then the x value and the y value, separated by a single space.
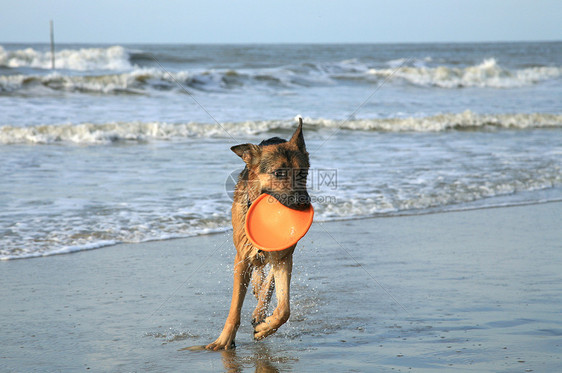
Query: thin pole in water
pixel 52 45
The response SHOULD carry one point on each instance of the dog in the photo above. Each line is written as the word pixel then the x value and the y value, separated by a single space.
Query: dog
pixel 279 168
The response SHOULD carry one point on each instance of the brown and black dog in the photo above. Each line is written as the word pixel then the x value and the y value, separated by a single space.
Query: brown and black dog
pixel 278 168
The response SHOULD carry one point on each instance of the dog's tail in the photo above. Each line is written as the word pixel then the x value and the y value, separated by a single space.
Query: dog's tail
pixel 298 118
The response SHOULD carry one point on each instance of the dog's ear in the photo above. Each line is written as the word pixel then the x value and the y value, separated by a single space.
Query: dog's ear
pixel 298 138
pixel 249 153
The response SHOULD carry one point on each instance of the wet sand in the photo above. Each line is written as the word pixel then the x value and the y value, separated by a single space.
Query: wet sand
pixel 476 291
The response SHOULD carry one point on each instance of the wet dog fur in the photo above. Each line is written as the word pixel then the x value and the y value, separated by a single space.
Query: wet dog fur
pixel 278 168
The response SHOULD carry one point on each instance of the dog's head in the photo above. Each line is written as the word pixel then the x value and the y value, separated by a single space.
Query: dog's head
pixel 278 168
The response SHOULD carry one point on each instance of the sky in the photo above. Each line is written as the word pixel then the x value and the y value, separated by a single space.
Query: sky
pixel 275 21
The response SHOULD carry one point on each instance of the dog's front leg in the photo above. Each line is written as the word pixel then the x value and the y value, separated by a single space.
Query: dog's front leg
pixel 264 296
pixel 282 274
pixel 241 280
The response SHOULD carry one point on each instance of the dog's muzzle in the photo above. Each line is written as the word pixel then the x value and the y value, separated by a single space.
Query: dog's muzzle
pixel 298 200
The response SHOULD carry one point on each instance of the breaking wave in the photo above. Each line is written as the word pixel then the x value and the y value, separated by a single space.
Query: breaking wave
pixel 487 74
pixel 106 133
pixel 146 79
pixel 132 82
pixel 467 120
pixel 112 58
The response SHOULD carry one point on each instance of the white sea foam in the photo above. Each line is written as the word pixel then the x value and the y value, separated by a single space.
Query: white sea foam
pixel 450 196
pixel 487 74
pixel 89 133
pixel 30 253
pixel 74 233
pixel 112 58
pixel 106 133
pixel 444 122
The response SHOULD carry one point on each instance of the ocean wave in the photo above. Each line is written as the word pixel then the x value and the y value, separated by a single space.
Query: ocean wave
pixel 137 81
pixel 487 74
pixel 84 59
pixel 467 120
pixel 106 133
pixel 128 78
pixel 130 82
pixel 91 133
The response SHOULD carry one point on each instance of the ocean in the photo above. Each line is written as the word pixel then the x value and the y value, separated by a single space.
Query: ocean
pixel 130 143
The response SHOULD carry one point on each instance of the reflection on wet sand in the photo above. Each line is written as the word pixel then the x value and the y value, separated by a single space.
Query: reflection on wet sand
pixel 262 360
pixel 259 356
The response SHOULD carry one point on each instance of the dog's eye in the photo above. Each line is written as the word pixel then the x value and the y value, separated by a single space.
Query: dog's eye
pixel 280 174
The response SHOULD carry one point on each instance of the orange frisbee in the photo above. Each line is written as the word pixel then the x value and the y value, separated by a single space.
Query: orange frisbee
pixel 272 226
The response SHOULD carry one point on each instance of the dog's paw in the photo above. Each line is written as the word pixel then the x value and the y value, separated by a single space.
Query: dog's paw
pixel 225 341
pixel 263 330
pixel 258 316
pixel 220 345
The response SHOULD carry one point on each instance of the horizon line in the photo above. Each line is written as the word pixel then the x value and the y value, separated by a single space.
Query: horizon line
pixel 290 42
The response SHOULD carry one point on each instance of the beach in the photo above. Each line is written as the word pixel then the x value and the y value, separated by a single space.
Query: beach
pixel 435 177
pixel 475 291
